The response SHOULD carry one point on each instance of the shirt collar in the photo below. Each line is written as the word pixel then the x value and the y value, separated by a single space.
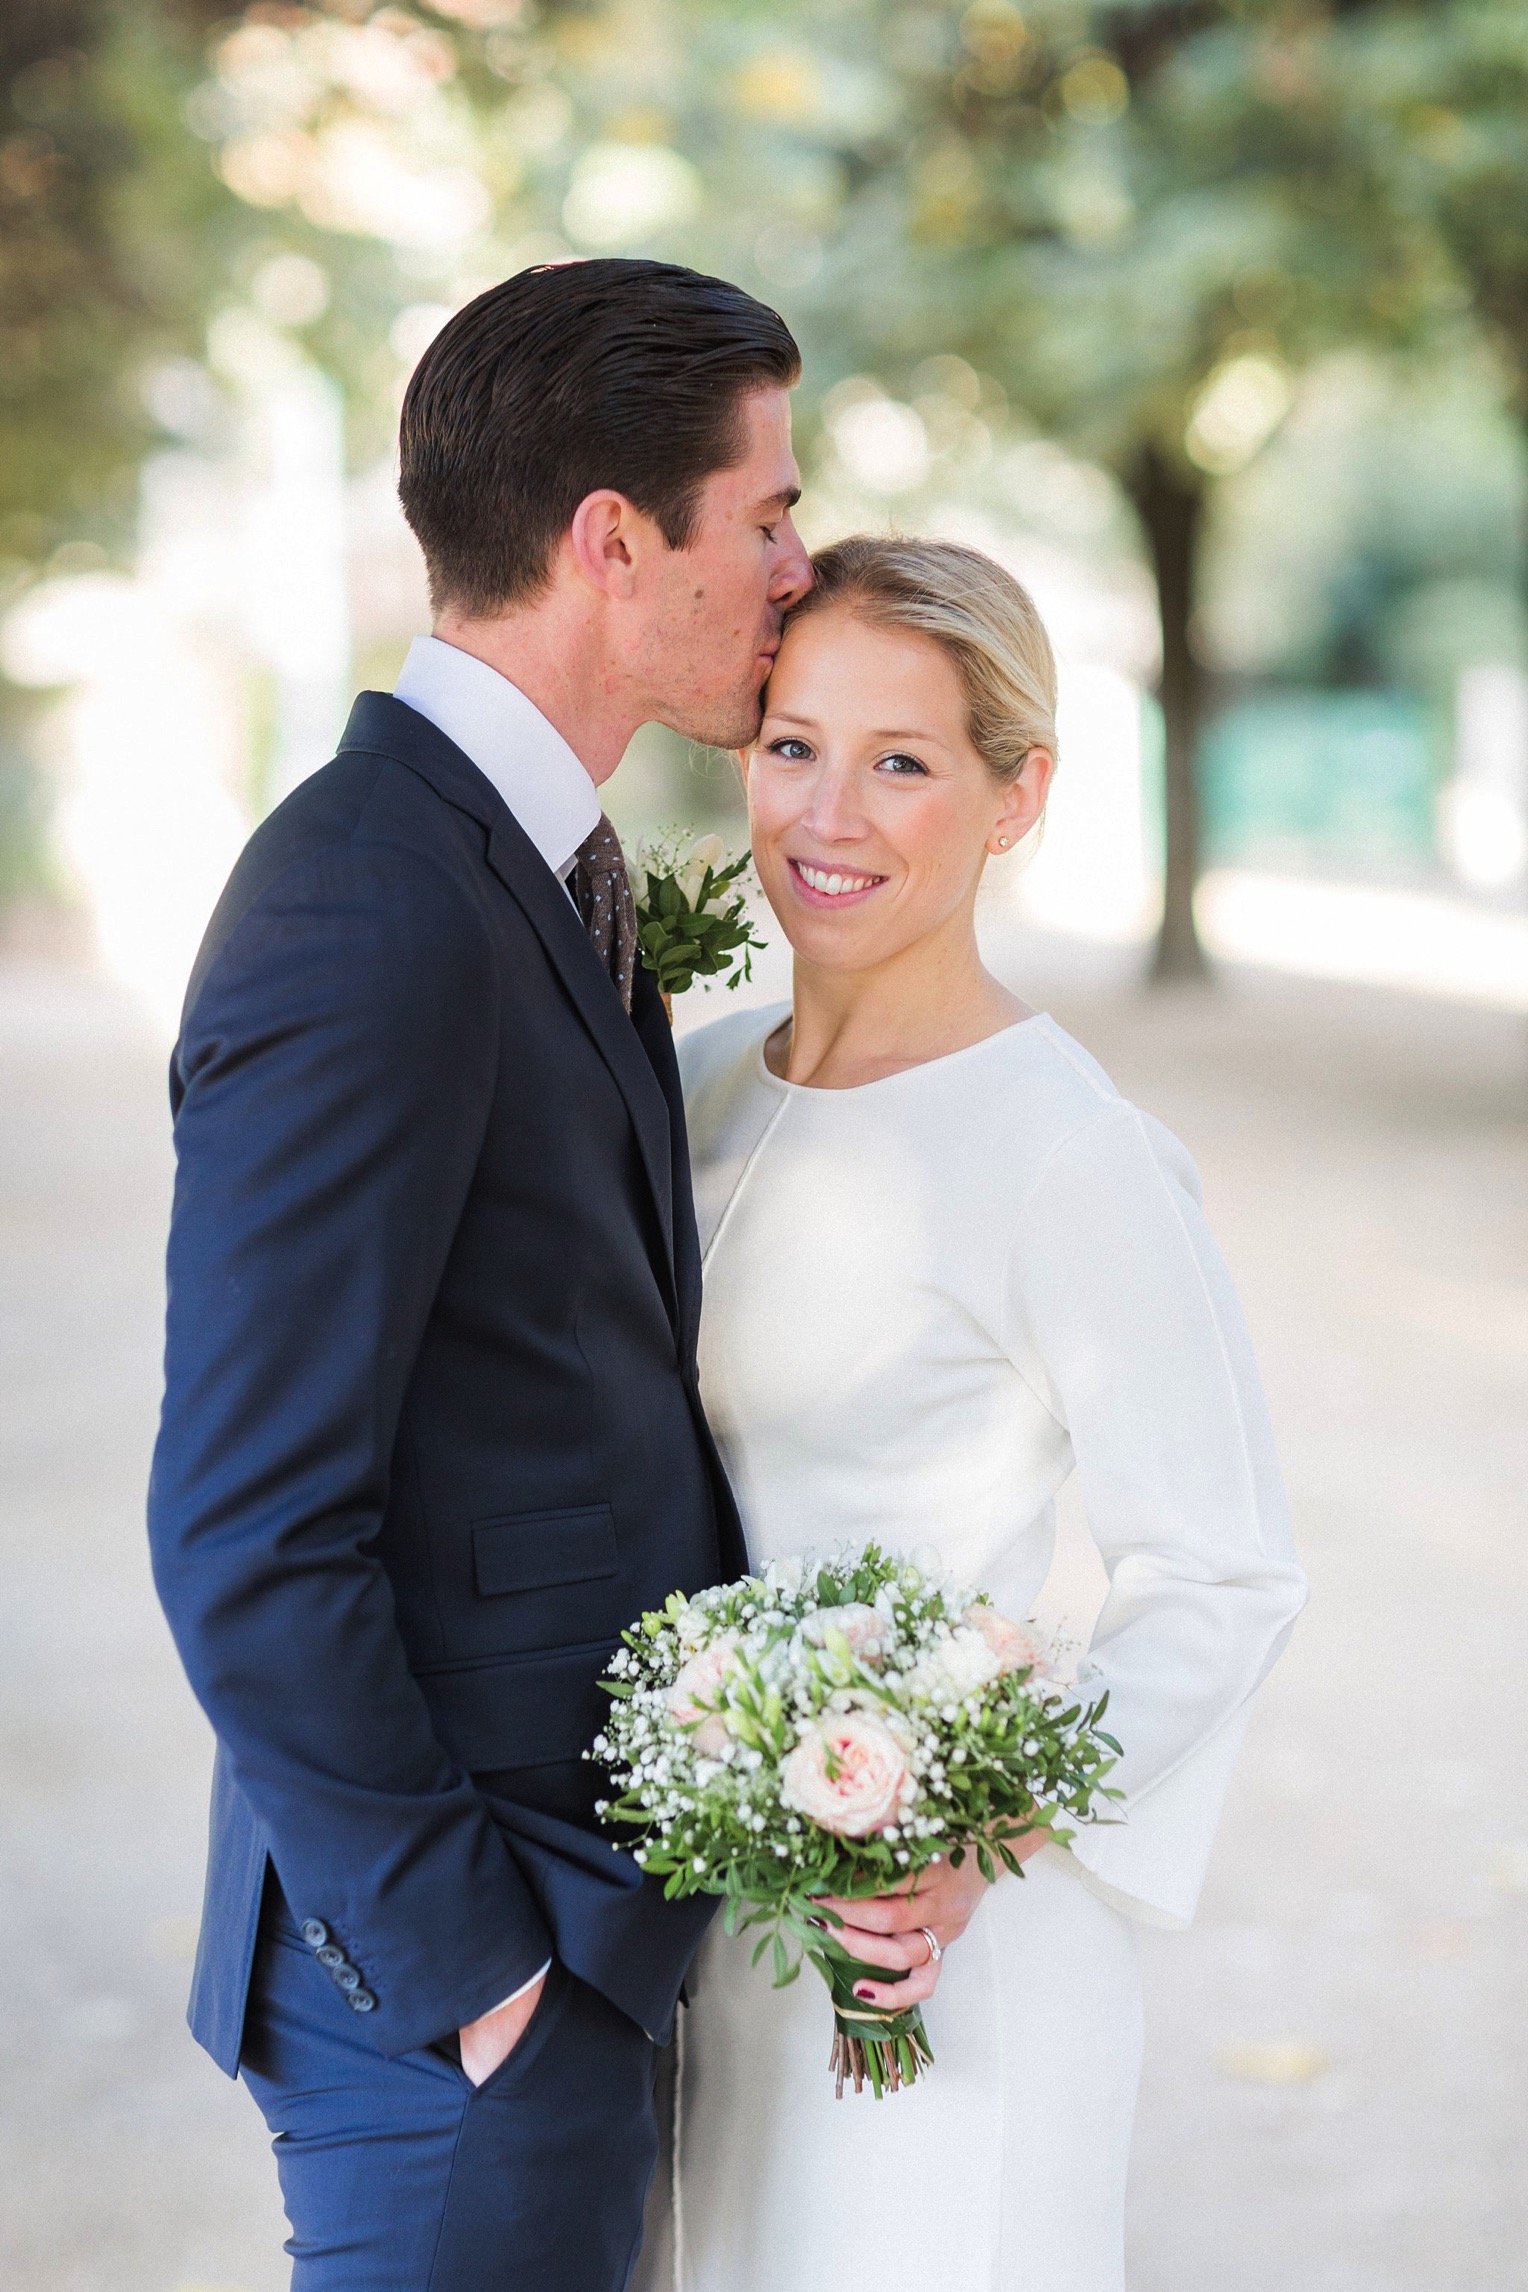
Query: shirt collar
pixel 509 740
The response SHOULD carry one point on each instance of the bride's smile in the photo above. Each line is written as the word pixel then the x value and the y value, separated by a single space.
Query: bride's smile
pixel 837 886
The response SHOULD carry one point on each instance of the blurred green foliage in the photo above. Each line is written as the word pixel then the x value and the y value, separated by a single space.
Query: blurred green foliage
pixel 108 251
pixel 1377 539
pixel 1130 226
pixel 105 254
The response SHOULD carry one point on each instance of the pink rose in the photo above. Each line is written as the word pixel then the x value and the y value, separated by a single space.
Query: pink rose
pixel 696 1693
pixel 847 1774
pixel 1018 1647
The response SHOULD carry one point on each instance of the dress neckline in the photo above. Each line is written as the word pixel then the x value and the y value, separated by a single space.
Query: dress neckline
pixel 858 1089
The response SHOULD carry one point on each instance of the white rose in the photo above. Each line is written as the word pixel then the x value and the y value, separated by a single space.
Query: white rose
pixel 847 1774
pixel 954 1668
pixel 694 1698
pixel 706 852
pixel 691 1627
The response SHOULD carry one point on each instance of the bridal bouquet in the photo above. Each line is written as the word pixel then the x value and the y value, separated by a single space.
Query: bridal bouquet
pixel 833 1728
pixel 692 916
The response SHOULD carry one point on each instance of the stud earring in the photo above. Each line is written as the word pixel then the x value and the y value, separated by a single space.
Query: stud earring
pixel 1002 843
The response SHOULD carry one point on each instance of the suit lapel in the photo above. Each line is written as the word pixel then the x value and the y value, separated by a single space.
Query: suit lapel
pixel 520 867
pixel 381 724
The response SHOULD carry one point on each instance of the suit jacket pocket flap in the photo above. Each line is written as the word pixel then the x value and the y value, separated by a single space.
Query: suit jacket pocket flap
pixel 531 1551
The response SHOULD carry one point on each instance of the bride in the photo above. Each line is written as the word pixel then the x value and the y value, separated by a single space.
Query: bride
pixel 946 1265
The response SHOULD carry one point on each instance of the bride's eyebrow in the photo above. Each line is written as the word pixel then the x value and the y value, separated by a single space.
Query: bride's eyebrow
pixel 924 739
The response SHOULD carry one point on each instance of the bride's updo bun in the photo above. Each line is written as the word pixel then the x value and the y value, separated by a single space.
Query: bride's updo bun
pixel 984 619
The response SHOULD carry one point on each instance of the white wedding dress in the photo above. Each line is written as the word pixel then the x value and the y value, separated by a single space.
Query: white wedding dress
pixel 927 1300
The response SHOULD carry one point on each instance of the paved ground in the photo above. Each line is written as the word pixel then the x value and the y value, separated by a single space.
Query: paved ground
pixel 1337 2095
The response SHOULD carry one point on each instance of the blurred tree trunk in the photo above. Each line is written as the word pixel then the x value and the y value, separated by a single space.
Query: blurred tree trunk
pixel 1170 506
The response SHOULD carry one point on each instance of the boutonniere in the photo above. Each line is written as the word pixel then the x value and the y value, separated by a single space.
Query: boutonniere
pixel 692 912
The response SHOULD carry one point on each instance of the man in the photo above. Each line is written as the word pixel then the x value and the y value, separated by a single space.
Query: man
pixel 431 1433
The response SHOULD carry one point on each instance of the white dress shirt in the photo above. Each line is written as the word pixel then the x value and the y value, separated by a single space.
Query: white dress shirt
pixel 509 740
pixel 528 761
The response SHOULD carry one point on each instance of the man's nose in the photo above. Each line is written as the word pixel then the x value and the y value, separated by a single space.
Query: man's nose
pixel 792 576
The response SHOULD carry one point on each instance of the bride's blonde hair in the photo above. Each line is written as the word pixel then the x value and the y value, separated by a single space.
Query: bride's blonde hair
pixel 984 619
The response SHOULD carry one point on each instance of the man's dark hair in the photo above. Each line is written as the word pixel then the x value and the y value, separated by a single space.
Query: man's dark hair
pixel 565 379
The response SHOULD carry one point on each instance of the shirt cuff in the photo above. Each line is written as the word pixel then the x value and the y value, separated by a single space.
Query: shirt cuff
pixel 520 1992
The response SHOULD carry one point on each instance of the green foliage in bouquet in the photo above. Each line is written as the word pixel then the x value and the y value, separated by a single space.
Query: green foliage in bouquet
pixel 692 917
pixel 835 1728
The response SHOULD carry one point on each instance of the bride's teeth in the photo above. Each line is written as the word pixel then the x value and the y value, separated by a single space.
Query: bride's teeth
pixel 832 886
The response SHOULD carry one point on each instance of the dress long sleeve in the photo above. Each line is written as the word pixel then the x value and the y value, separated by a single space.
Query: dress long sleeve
pixel 1121 1317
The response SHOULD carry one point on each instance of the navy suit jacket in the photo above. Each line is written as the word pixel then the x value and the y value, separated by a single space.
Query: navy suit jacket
pixel 431 1432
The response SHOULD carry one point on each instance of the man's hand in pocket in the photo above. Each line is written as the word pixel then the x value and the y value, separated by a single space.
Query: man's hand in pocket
pixel 489 2041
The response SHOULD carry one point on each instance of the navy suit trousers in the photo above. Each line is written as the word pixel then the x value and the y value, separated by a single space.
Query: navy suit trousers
pixel 399 2176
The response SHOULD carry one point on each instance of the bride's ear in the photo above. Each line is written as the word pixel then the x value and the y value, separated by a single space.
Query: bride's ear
pixel 1023 801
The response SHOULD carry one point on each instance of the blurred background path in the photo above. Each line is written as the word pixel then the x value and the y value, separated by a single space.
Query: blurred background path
pixel 1336 2098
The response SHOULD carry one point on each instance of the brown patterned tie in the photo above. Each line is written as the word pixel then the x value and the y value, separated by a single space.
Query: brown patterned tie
pixel 602 892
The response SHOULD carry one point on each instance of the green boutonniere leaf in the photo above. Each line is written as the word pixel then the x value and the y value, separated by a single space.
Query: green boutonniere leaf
pixel 692 912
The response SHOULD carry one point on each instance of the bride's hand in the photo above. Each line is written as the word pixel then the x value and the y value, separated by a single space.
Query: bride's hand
pixel 889 1929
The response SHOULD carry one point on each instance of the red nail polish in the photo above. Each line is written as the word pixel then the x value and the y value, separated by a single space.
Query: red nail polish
pixel 862 1992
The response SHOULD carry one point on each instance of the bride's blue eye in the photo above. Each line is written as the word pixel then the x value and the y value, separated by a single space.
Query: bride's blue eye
pixel 902 766
pixel 793 751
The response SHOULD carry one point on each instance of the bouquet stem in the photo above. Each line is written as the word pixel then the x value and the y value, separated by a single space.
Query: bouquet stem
pixel 887 2050
pixel 889 2061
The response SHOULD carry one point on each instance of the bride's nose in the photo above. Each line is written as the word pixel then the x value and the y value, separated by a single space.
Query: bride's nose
pixel 834 814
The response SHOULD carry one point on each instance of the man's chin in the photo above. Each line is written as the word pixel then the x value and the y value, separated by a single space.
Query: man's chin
pixel 733 723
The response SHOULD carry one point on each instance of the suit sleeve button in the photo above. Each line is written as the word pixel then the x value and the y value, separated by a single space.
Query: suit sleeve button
pixel 314 1932
pixel 361 2001
pixel 347 1977
pixel 330 1954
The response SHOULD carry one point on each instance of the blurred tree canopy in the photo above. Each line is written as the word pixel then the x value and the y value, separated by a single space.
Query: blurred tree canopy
pixel 1433 107
pixel 106 251
pixel 1142 220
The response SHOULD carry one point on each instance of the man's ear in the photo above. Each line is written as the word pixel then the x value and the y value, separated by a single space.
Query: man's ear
pixel 606 540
